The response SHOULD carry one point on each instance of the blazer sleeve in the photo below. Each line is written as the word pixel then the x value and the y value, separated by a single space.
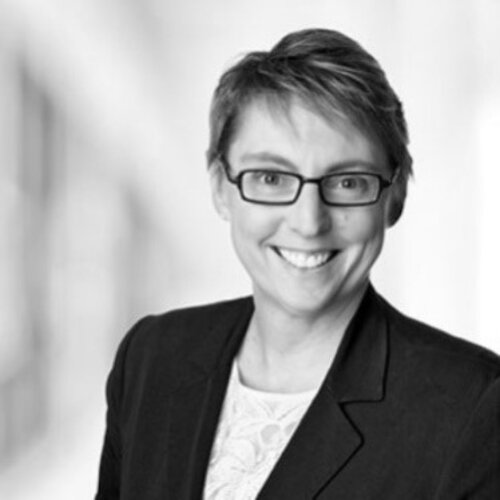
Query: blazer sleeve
pixel 110 465
pixel 473 472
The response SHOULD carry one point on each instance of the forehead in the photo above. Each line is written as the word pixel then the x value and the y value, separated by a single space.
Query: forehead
pixel 301 135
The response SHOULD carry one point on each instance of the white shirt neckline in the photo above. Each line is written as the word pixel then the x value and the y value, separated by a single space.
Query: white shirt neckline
pixel 253 431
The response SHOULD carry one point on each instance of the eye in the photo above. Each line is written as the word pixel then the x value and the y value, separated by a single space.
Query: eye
pixel 269 178
pixel 351 182
pixel 348 182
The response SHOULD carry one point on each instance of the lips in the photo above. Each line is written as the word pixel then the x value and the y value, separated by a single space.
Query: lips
pixel 305 259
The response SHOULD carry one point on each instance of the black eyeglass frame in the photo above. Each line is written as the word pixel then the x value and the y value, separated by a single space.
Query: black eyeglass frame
pixel 237 180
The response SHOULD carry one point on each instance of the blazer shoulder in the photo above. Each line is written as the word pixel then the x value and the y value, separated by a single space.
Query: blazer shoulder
pixel 441 354
pixel 170 338
pixel 179 325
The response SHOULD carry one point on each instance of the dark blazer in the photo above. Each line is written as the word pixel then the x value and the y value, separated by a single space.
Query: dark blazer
pixel 405 412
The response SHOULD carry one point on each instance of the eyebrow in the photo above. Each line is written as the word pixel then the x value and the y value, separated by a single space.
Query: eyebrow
pixel 266 156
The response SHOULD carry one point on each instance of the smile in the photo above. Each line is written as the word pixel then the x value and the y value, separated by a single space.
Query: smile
pixel 305 260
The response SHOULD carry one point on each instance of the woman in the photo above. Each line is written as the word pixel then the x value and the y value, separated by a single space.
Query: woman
pixel 314 387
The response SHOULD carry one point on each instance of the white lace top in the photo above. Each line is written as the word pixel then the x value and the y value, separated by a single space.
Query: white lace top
pixel 253 430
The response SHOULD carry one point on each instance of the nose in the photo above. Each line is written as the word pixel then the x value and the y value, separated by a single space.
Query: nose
pixel 309 216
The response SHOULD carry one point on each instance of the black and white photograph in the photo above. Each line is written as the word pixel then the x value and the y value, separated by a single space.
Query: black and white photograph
pixel 249 250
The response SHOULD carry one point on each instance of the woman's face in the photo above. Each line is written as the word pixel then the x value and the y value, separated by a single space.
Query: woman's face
pixel 305 258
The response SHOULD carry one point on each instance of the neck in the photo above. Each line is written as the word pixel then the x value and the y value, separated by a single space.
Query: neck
pixel 291 351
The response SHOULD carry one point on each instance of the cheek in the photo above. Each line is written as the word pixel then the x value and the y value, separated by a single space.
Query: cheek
pixel 251 225
pixel 360 225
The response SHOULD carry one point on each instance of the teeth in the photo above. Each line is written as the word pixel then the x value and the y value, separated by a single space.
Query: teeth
pixel 305 260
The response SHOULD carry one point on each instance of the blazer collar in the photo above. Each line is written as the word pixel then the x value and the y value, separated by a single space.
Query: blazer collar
pixel 358 371
pixel 222 337
pixel 326 438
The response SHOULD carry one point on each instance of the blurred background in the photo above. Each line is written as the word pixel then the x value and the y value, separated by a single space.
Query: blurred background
pixel 105 213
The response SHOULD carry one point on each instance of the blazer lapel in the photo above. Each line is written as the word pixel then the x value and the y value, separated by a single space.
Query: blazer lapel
pixel 195 407
pixel 323 443
pixel 327 439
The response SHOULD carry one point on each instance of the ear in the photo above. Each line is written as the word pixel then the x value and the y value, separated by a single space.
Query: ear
pixel 218 187
pixel 394 205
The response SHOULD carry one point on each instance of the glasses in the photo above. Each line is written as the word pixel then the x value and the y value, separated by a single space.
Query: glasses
pixel 275 187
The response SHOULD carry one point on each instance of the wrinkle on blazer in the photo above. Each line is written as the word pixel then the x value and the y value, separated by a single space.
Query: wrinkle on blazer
pixel 405 411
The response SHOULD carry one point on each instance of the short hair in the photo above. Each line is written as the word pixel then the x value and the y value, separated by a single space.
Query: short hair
pixel 332 75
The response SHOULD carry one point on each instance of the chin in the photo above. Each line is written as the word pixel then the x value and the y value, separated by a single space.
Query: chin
pixel 301 302
pixel 305 304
